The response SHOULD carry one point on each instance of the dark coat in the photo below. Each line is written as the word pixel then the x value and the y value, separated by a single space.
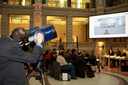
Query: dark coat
pixel 12 59
pixel 92 60
pixel 111 54
pixel 79 66
pixel 55 70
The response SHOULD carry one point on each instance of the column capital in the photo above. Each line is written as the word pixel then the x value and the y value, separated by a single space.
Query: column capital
pixel 38 5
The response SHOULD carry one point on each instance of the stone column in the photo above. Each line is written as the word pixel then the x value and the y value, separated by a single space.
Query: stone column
pixel 37 13
pixel 69 30
pixel 44 19
pixel 100 3
pixel 4 24
pixel 31 20
pixel 38 2
pixel 84 33
pixel 100 6
pixel 92 3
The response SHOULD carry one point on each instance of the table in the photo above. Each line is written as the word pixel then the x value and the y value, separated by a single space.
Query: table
pixel 115 58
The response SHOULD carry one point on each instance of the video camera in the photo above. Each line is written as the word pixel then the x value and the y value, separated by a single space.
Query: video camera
pixel 48 32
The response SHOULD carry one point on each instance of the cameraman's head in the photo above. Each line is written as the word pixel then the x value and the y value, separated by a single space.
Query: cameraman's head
pixel 19 35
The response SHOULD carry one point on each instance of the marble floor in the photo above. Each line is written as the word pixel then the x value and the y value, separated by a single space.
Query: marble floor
pixel 108 76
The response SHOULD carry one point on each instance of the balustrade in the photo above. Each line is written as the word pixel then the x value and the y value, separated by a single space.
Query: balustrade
pixel 119 44
pixel 119 2
pixel 74 44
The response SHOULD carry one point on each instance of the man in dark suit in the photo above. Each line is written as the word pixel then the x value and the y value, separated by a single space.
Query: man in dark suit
pixel 12 57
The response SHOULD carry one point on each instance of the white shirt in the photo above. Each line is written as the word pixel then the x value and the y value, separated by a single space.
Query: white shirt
pixel 61 60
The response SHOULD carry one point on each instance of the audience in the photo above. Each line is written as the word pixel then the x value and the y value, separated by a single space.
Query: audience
pixel 75 62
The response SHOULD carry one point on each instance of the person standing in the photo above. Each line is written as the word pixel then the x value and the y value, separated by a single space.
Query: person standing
pixel 12 57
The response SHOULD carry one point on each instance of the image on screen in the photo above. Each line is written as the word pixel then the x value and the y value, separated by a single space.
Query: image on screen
pixel 107 26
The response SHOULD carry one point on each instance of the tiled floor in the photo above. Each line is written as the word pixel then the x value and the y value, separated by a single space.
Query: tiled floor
pixel 108 76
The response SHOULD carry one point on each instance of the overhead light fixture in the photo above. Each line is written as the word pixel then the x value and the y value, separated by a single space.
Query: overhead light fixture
pixel 57 19
pixel 84 20
pixel 16 18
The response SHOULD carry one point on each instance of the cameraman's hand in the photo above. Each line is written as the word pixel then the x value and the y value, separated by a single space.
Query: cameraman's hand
pixel 39 38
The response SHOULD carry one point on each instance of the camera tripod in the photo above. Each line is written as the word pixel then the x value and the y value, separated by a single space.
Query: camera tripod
pixel 39 68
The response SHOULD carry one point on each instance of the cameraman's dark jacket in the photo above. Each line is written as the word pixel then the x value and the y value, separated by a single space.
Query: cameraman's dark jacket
pixel 12 59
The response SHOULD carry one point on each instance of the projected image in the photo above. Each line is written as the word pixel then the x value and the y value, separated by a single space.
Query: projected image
pixel 109 25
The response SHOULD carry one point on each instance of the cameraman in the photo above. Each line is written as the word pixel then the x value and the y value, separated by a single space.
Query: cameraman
pixel 12 57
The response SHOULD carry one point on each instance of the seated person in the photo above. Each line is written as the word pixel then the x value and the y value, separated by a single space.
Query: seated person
pixel 124 53
pixel 72 56
pixel 79 64
pixel 112 61
pixel 123 62
pixel 111 53
pixel 53 57
pixel 47 58
pixel 118 53
pixel 92 60
pixel 64 65
pixel 67 54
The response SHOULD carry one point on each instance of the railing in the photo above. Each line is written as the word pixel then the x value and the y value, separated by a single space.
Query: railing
pixel 72 44
pixel 82 45
pixel 118 2
pixel 119 44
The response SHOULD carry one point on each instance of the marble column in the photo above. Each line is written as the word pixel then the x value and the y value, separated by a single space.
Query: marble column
pixel 31 20
pixel 44 19
pixel 37 13
pixel 4 24
pixel 100 6
pixel 38 2
pixel 69 30
pixel 100 3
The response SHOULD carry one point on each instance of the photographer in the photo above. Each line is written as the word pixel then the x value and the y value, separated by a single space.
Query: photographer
pixel 12 57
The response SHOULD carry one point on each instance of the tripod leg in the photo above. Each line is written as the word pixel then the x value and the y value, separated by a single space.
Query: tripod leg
pixel 42 77
pixel 29 71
